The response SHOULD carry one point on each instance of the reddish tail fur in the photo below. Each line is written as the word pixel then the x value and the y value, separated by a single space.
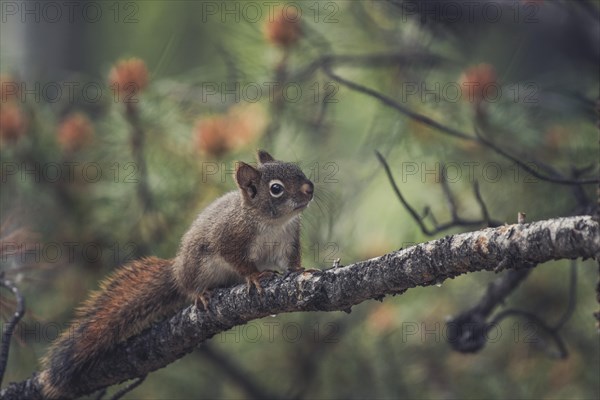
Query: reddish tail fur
pixel 128 301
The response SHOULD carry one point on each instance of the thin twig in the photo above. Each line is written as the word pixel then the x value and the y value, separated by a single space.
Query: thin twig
pixel 310 360
pixel 454 132
pixel 238 376
pixel 428 213
pixel 537 321
pixel 500 289
pixel 482 206
pixel 230 63
pixel 556 178
pixel 137 138
pixel 470 328
pixel 10 327
pixel 448 195
pixel 368 60
pixel 572 297
pixel 456 219
pixel 278 105
pixel 411 210
pixel 391 103
pixel 467 331
pixel 129 388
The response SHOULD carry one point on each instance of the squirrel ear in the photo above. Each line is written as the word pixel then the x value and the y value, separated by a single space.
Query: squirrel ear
pixel 247 178
pixel 264 157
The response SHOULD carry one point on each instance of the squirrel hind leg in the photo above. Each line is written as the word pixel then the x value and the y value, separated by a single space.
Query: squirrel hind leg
pixel 64 363
pixel 54 381
pixel 49 389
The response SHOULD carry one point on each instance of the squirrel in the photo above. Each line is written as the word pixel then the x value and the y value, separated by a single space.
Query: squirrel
pixel 245 235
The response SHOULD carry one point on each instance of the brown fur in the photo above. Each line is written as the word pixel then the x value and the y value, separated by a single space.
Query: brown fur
pixel 127 302
pixel 245 231
pixel 236 237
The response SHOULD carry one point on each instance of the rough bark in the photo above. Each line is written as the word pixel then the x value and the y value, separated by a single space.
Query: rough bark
pixel 492 249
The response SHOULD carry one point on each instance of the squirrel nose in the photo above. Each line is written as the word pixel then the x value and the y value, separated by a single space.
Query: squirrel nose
pixel 307 188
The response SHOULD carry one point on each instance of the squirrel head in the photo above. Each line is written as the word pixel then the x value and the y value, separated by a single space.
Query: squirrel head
pixel 277 190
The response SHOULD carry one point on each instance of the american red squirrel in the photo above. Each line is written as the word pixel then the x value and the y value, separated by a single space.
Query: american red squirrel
pixel 244 235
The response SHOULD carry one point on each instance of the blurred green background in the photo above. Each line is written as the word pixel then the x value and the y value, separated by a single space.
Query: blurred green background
pixel 95 181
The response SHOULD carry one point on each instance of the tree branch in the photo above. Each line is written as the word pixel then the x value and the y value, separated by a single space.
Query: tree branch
pixel 508 246
pixel 455 221
pixel 9 328
pixel 423 119
pixel 520 160
pixel 410 58
pixel 238 376
pixel 597 218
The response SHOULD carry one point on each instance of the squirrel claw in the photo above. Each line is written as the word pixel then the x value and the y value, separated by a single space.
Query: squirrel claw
pixel 254 280
pixel 202 298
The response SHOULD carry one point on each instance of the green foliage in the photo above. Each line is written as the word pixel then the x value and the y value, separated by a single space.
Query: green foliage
pixel 544 117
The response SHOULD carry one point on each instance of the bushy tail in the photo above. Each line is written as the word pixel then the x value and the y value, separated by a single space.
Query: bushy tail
pixel 127 302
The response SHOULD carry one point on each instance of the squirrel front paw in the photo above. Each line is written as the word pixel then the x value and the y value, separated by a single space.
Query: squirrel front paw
pixel 202 298
pixel 254 279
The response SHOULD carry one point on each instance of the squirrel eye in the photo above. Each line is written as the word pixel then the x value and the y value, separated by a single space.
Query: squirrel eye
pixel 276 188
